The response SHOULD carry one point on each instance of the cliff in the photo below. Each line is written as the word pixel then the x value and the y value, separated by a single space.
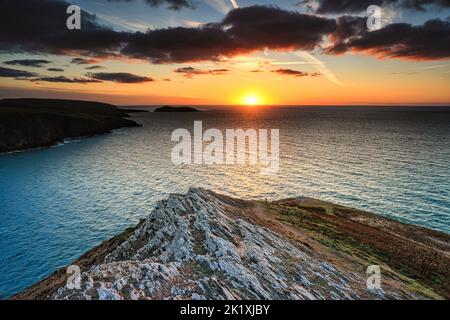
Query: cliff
pixel 203 245
pixel 33 123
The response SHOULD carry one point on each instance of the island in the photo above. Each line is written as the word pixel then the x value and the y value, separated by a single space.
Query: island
pixel 34 123
pixel 204 245
pixel 176 109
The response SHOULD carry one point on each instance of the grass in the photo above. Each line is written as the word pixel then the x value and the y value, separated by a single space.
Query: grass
pixel 425 271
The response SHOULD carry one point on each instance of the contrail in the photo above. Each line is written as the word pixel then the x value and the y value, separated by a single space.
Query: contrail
pixel 321 67
pixel 234 3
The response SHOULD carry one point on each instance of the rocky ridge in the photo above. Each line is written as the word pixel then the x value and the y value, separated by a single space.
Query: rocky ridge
pixel 208 246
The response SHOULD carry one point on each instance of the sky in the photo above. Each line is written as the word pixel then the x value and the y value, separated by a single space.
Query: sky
pixel 227 52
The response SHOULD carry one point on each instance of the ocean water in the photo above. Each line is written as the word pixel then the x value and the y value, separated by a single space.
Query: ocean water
pixel 59 202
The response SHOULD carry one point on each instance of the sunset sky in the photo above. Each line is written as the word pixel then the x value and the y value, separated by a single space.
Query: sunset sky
pixel 220 52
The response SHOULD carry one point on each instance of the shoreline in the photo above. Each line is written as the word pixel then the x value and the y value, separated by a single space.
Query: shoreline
pixel 40 289
pixel 336 234
pixel 64 142
pixel 30 124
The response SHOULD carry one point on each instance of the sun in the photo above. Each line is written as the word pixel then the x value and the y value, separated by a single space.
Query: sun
pixel 251 100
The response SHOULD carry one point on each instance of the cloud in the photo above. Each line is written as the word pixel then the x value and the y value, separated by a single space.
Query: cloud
pixel 260 27
pixel 267 27
pixel 14 73
pixel 291 72
pixel 64 79
pixel 190 72
pixel 430 41
pixel 39 26
pixel 358 6
pixel 296 73
pixel 171 4
pixel 28 62
pixel 81 61
pixel 192 23
pixel 242 31
pixel 55 69
pixel 119 77
pixel 96 67
pixel 164 45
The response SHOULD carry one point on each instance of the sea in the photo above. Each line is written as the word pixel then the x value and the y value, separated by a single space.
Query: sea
pixel 56 203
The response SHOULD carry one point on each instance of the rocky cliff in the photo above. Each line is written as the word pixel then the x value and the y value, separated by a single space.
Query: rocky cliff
pixel 33 123
pixel 203 245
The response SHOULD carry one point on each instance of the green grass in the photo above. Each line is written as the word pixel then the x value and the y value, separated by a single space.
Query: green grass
pixel 327 234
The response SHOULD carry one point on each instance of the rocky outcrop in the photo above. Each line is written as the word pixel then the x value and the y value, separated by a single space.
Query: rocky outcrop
pixel 34 123
pixel 176 109
pixel 208 246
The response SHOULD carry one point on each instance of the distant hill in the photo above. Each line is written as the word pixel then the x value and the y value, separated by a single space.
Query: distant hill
pixel 176 109
pixel 33 123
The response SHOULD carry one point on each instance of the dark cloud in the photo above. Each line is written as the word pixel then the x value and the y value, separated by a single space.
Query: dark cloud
pixel 96 67
pixel 347 27
pixel 39 26
pixel 14 73
pixel 171 4
pixel 55 69
pixel 28 62
pixel 271 27
pixel 430 41
pixel 358 6
pixel 82 61
pixel 63 79
pixel 190 72
pixel 295 73
pixel 290 72
pixel 119 77
pixel 177 45
pixel 242 31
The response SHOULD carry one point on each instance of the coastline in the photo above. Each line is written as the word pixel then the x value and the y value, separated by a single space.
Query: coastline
pixel 46 286
pixel 28 124
pixel 415 260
